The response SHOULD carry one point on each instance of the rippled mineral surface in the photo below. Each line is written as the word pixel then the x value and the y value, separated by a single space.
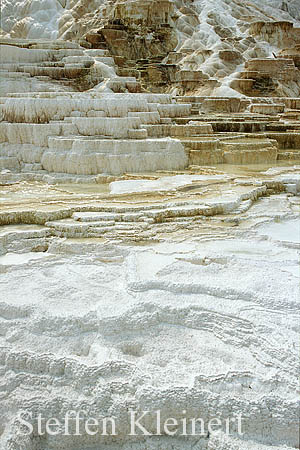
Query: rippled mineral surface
pixel 177 294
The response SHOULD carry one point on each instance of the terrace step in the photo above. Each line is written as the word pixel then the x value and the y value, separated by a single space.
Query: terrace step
pixel 256 144
pixel 111 217
pixel 166 130
pixel 289 154
pixel 257 156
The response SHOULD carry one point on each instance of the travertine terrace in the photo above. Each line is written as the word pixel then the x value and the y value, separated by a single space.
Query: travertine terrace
pixel 149 221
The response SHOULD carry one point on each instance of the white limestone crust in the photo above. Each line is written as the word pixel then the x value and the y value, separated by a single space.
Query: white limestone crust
pixel 113 157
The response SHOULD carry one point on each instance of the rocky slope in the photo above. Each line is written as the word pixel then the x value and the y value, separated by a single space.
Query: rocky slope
pixel 207 42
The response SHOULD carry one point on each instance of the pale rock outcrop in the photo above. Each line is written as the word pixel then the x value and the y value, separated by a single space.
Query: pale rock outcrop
pixel 113 157
pixel 89 134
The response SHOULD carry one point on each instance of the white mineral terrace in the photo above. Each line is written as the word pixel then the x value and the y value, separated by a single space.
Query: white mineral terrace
pixel 175 293
pixel 149 240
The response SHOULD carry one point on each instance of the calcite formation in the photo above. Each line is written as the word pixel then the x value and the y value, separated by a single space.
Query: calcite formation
pixel 207 44
pixel 66 132
pixel 176 294
pixel 149 223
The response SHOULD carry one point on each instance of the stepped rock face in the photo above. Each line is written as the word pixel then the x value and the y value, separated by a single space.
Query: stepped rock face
pixel 89 134
pixel 212 39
